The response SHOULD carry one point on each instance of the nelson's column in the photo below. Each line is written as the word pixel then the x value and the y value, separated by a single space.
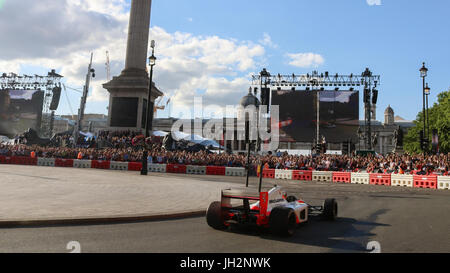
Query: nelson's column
pixel 129 91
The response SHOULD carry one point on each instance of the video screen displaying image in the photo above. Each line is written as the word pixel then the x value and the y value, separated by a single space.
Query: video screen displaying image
pixel 339 115
pixel 20 110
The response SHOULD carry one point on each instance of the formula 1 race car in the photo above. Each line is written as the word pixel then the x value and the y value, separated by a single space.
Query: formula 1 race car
pixel 271 209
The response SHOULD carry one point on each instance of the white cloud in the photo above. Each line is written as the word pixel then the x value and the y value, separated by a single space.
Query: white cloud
pixel 305 60
pixel 267 41
pixel 61 35
pixel 374 2
pixel 215 65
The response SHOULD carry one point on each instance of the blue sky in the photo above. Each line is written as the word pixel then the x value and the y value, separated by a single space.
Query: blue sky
pixel 392 39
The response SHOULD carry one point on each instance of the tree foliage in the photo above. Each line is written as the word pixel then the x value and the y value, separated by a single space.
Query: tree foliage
pixel 439 118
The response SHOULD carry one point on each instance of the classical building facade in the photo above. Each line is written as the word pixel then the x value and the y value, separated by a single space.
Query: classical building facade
pixel 384 133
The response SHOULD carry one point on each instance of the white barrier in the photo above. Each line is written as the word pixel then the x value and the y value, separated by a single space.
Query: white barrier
pixel 82 163
pixel 322 176
pixel 234 171
pixel 283 174
pixel 119 166
pixel 360 178
pixel 156 168
pixel 402 180
pixel 444 182
pixel 191 169
pixel 46 162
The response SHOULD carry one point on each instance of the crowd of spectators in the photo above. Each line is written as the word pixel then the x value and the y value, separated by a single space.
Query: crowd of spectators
pixel 117 139
pixel 123 151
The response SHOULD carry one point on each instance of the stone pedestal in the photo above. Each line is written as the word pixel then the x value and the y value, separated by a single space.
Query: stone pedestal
pixel 128 101
pixel 129 91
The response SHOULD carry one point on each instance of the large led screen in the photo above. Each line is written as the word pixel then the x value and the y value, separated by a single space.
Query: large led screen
pixel 338 115
pixel 20 110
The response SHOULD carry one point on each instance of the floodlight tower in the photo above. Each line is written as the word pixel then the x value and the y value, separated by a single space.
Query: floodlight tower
pixel 78 127
pixel 370 97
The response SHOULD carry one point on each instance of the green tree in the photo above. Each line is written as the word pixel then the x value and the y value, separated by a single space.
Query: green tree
pixel 439 118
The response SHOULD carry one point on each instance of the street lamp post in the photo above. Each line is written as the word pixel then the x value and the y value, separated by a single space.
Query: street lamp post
pixel 427 92
pixel 265 100
pixel 249 100
pixel 423 74
pixel 367 74
pixel 149 112
pixel 148 124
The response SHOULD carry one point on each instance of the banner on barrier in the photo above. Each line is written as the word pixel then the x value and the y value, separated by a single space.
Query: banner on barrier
pixel 402 180
pixel 159 168
pixel 360 178
pixel 119 166
pixel 235 171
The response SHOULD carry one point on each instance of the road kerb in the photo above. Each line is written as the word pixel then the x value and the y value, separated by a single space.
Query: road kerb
pixel 99 220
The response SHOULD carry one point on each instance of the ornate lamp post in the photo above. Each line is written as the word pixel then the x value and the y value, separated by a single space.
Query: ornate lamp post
pixel 152 62
pixel 423 74
pixel 249 100
pixel 149 112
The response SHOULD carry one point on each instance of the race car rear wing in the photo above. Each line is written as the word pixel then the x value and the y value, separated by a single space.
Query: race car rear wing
pixel 241 194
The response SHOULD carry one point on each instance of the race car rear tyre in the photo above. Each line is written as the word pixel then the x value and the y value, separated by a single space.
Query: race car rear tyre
pixel 282 221
pixel 330 209
pixel 214 216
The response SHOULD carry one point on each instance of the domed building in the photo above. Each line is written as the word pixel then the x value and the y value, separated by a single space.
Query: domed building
pixel 247 111
pixel 389 116
pixel 249 99
pixel 245 105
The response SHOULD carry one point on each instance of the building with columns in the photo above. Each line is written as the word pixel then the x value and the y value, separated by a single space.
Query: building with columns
pixel 384 132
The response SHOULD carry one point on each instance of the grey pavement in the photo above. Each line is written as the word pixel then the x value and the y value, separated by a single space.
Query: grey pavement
pixel 40 193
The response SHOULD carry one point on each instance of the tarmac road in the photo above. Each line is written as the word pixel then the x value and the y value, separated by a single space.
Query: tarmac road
pixel 400 219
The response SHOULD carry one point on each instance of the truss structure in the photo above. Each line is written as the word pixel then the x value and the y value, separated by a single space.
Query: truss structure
pixel 325 81
pixel 314 79
pixel 36 82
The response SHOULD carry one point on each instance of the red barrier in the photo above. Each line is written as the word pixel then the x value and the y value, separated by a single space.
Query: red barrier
pixel 380 179
pixel 5 159
pixel 302 175
pixel 215 170
pixel 59 162
pixel 135 166
pixel 175 168
pixel 342 177
pixel 425 181
pixel 268 173
pixel 100 164
pixel 23 160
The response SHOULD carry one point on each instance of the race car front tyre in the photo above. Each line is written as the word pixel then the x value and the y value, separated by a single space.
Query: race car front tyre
pixel 330 209
pixel 214 216
pixel 282 221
